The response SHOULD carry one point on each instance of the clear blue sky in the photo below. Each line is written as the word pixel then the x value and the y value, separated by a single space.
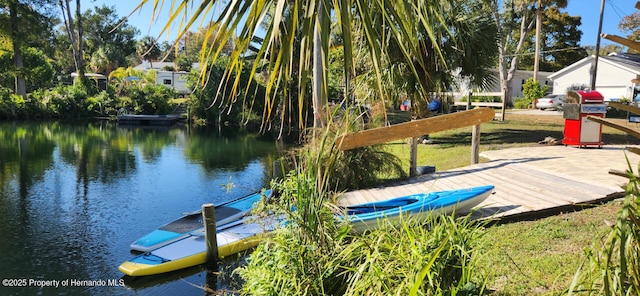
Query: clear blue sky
pixel 589 10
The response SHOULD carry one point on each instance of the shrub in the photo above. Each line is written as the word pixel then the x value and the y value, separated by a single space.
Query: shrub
pixel 150 99
pixel 522 103
pixel 532 90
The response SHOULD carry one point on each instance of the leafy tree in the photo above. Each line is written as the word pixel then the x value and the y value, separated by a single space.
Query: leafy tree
pixel 630 24
pixel 559 42
pixel 191 43
pixel 38 70
pixel 184 63
pixel 514 22
pixel 108 38
pixel 25 25
pixel 466 46
pixel 539 9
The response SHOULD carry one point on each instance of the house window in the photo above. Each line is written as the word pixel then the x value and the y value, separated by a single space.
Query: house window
pixel 166 81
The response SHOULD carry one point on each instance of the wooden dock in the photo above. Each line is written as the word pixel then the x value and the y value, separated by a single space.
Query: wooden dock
pixel 147 120
pixel 528 181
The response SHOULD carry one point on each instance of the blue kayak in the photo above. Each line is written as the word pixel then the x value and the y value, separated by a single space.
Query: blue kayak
pixel 225 213
pixel 365 216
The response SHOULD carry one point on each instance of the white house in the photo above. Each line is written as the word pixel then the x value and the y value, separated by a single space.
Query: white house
pixel 519 78
pixel 613 79
pixel 173 79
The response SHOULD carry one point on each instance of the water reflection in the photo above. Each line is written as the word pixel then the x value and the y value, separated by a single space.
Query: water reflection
pixel 73 197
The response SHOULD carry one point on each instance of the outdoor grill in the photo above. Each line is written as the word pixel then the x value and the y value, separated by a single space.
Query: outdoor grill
pixel 578 130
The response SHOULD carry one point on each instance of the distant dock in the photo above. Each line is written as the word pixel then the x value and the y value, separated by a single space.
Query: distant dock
pixel 147 120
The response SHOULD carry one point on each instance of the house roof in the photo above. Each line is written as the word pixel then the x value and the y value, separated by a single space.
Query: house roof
pixel 145 65
pixel 627 61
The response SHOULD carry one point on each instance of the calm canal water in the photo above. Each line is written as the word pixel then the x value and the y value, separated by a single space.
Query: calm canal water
pixel 74 196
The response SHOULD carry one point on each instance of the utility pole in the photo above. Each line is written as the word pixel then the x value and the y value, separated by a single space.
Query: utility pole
pixel 595 61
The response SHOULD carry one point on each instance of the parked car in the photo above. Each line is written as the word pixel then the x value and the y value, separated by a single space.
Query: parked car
pixel 551 101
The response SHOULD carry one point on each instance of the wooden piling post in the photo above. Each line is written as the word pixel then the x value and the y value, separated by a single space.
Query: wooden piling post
pixel 209 220
pixel 413 157
pixel 475 144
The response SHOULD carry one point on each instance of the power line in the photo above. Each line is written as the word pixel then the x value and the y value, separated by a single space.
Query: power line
pixel 544 51
pixel 620 12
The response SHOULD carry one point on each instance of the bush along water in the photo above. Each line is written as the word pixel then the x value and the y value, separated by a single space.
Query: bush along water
pixel 75 101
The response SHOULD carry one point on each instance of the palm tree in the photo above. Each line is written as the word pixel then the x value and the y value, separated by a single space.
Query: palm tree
pixel 294 27
pixel 147 49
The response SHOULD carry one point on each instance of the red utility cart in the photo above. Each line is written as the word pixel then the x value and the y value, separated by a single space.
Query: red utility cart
pixel 578 130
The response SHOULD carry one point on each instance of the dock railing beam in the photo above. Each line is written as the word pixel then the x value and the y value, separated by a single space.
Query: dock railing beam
pixel 416 128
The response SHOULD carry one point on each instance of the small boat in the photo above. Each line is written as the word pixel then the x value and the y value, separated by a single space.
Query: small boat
pixel 191 250
pixel 180 228
pixel 365 216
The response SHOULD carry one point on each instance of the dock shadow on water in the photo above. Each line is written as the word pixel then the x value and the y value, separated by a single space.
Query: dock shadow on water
pixel 73 197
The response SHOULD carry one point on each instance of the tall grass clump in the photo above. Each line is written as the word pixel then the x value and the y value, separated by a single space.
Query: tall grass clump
pixel 436 257
pixel 294 260
pixel 611 267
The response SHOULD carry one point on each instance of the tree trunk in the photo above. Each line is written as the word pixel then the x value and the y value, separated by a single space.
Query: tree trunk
pixel 74 31
pixel 18 59
pixel 318 72
pixel 506 75
pixel 80 50
pixel 536 58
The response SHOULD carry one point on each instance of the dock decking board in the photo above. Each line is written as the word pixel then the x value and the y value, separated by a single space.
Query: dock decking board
pixel 522 185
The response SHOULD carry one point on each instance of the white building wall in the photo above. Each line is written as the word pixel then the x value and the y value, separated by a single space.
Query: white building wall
pixel 611 81
pixel 519 78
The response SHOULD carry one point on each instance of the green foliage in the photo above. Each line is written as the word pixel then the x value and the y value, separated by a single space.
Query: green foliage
pixel 74 102
pixel 295 260
pixel 532 90
pixel 314 256
pixel 184 63
pixel 414 259
pixel 613 268
pixel 560 41
pixel 361 167
pixel 151 99
pixel 364 167
pixel 210 102
pixel 522 103
pixel 38 70
pixel 486 99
